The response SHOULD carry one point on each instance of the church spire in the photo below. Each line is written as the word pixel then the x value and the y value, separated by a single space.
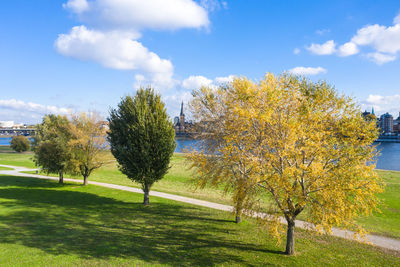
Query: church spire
pixel 373 113
pixel 182 109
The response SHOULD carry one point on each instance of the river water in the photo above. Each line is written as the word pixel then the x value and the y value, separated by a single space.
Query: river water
pixel 389 158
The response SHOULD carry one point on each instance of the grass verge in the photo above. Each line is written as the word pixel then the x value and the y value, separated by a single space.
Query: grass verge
pixel 45 224
pixel 9 157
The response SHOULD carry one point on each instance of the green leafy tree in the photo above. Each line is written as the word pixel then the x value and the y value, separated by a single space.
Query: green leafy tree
pixel 50 145
pixel 20 143
pixel 142 138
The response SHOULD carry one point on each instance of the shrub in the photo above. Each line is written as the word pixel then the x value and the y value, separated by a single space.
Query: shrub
pixel 20 143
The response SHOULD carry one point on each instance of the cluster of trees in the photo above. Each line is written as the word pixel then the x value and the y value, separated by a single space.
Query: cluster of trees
pixel 74 146
pixel 299 143
pixel 287 139
pixel 141 137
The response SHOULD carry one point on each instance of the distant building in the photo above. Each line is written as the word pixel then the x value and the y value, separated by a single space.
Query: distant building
pixel 19 126
pixel 180 124
pixel 396 124
pixel 6 124
pixel 386 123
pixel 368 115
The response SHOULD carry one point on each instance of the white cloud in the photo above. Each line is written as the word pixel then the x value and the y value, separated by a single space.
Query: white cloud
pixel 348 49
pixel 194 82
pixel 160 82
pixel 382 104
pixel 113 49
pixel 222 80
pixel 139 14
pixel 19 105
pixel 307 70
pixel 384 40
pixel 296 51
pixel 77 6
pixel 367 34
pixel 327 48
pixel 184 88
pixel 380 58
pixel 111 39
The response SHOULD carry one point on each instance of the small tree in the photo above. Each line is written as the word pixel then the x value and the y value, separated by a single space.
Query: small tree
pixel 219 158
pixel 87 145
pixel 50 145
pixel 142 138
pixel 20 143
pixel 310 150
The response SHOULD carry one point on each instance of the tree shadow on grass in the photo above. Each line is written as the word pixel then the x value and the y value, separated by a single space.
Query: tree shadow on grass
pixel 92 226
pixel 31 182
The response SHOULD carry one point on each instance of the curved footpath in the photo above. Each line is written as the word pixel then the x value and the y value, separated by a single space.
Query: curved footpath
pixel 380 241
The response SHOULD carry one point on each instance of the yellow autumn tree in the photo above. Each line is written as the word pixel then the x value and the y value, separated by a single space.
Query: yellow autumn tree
pixel 308 148
pixel 219 158
pixel 87 144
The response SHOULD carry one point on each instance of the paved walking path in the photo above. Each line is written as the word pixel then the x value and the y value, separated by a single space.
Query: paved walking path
pixel 379 241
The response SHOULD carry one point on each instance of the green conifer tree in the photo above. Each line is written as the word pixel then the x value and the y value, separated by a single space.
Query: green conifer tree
pixel 142 138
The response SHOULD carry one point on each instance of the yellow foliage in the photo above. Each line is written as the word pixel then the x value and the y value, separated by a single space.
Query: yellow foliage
pixel 300 142
pixel 87 144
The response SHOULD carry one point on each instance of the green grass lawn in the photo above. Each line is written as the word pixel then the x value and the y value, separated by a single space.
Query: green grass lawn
pixel 178 181
pixel 5 169
pixel 45 224
pixel 388 221
pixel 9 157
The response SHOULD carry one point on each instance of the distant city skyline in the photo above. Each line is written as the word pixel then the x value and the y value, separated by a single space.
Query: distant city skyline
pixel 79 55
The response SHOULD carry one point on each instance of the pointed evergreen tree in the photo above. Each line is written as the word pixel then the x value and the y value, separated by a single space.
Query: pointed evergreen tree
pixel 142 138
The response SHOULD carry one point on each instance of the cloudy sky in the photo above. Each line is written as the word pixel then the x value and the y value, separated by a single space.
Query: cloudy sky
pixel 80 55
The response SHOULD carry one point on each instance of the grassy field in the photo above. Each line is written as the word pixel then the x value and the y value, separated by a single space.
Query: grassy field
pixel 5 169
pixel 387 222
pixel 178 181
pixel 9 157
pixel 44 224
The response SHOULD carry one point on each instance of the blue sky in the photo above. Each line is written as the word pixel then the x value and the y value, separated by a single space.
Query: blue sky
pixel 80 55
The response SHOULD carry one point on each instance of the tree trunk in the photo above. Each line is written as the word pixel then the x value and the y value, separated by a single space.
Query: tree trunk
pixel 238 216
pixel 60 177
pixel 238 219
pixel 85 180
pixel 146 190
pixel 290 238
